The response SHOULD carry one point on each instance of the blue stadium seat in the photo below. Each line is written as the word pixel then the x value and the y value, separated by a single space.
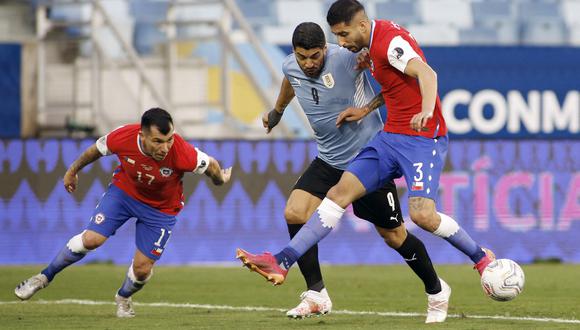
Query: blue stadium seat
pixel 486 11
pixel 545 31
pixel 529 11
pixel 258 12
pixel 401 12
pixel 72 13
pixel 148 10
pixel 147 33
pixel 478 36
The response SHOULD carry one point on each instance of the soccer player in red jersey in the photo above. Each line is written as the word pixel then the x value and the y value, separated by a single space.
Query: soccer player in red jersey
pixel 412 144
pixel 147 185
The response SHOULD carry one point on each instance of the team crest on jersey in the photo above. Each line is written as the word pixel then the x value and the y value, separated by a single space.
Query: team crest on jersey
pixel 165 171
pixel 99 218
pixel 147 167
pixel 328 80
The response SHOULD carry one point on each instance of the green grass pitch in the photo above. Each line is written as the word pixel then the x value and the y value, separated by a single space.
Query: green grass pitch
pixel 222 298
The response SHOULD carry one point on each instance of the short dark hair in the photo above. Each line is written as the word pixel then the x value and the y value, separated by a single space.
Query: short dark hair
pixel 308 35
pixel 157 117
pixel 343 11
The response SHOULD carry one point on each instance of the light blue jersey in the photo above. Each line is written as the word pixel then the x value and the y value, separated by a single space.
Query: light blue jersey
pixel 338 87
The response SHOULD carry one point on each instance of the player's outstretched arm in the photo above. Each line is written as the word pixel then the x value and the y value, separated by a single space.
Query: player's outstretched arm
pixel 71 178
pixel 272 118
pixel 428 84
pixel 356 114
pixel 218 175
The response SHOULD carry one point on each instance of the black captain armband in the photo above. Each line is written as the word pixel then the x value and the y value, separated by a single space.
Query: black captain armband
pixel 274 118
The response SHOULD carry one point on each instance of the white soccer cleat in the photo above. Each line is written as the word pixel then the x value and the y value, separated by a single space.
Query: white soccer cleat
pixel 437 304
pixel 312 303
pixel 29 287
pixel 124 306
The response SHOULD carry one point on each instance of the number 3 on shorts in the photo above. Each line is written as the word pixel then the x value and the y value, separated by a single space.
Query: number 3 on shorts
pixel 419 166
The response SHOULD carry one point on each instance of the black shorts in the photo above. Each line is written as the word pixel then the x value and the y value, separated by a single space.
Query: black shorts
pixel 380 207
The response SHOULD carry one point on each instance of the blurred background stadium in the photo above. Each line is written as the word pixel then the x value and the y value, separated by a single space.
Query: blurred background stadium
pixel 73 70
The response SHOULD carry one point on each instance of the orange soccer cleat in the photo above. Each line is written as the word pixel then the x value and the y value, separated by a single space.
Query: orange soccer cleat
pixel 264 264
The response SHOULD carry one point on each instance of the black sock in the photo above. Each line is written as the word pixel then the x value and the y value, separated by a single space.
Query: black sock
pixel 416 256
pixel 308 263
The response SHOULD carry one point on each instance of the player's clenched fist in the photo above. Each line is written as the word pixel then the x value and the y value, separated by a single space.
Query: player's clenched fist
pixel 70 181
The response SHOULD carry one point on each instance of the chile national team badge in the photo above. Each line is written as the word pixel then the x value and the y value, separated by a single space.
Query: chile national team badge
pixel 165 171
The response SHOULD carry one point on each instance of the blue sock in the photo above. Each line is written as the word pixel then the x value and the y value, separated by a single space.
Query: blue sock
pixel 459 238
pixel 63 259
pixel 464 243
pixel 131 284
pixel 129 287
pixel 329 213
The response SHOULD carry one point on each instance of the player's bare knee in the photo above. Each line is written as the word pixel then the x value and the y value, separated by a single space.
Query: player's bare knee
pixel 294 216
pixel 92 240
pixel 393 237
pixel 142 271
pixel 339 194
pixel 423 213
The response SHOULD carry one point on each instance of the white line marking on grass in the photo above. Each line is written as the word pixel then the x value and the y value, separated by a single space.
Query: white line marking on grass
pixel 270 309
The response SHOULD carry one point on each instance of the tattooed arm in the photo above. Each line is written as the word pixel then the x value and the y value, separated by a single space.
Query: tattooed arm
pixel 356 114
pixel 71 178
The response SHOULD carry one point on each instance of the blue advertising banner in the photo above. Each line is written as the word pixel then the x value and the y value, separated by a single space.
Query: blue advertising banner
pixel 519 198
pixel 10 90
pixel 507 92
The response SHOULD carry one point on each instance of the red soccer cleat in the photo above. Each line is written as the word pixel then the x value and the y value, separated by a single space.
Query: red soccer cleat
pixel 486 260
pixel 264 264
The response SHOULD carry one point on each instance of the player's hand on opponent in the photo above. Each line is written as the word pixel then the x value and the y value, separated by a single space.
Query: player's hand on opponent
pixel 70 181
pixel 419 121
pixel 351 114
pixel 270 119
pixel 363 59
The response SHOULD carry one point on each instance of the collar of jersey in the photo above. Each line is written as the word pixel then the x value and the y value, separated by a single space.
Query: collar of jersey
pixel 140 146
pixel 372 33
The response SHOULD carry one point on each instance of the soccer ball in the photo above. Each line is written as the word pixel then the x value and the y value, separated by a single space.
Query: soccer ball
pixel 503 280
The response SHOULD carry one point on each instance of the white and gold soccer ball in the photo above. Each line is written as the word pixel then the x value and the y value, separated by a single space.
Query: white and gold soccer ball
pixel 503 280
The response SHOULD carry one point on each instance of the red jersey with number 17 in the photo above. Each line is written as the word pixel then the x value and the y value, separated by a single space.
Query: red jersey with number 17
pixel 155 183
pixel 391 48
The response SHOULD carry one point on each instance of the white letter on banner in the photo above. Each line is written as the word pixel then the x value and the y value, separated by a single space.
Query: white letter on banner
pixel 520 112
pixel 451 100
pixel 562 118
pixel 497 101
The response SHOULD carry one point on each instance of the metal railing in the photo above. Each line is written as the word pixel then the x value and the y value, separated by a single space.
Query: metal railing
pixel 162 95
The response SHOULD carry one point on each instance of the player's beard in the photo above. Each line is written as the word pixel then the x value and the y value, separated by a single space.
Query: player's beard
pixel 315 72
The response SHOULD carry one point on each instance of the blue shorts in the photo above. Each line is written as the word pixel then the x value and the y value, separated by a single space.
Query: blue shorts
pixel 388 156
pixel 153 226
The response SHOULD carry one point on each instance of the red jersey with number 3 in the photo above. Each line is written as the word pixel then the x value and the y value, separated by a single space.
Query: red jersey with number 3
pixel 155 183
pixel 391 48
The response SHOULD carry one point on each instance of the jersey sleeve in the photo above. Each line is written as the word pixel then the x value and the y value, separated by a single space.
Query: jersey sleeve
pixel 348 59
pixel 190 159
pixel 107 144
pixel 286 64
pixel 400 53
pixel 202 162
